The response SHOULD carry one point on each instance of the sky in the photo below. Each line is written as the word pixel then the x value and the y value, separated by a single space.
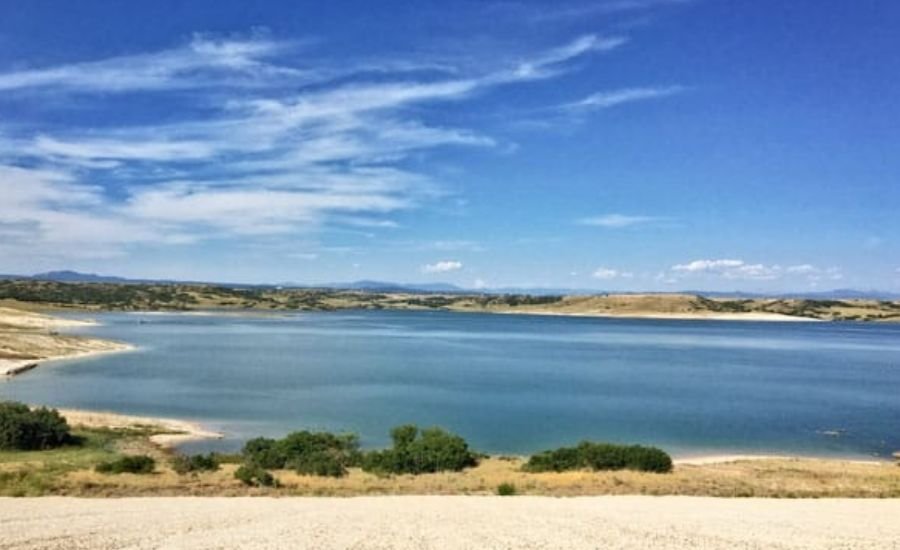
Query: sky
pixel 652 145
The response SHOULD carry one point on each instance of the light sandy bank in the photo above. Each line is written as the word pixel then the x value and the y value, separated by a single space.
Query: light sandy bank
pixel 697 316
pixel 177 431
pixel 81 348
pixel 419 522
pixel 28 339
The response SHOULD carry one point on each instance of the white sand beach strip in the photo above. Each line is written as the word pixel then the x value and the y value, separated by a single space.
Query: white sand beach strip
pixel 448 522
pixel 180 431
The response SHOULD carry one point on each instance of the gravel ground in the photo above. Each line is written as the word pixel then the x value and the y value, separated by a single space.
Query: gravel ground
pixel 448 522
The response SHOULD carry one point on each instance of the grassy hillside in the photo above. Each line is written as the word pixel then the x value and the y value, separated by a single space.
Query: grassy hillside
pixel 184 297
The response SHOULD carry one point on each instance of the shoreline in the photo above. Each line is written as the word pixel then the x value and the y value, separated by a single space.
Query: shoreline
pixel 758 317
pixel 187 430
pixel 14 367
pixel 177 431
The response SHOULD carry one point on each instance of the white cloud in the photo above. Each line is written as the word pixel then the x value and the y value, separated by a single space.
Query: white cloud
pixel 605 273
pixel 546 13
pixel 442 266
pixel 618 220
pixel 281 159
pixel 202 62
pixel 730 269
pixel 613 98
pixel 739 269
pixel 708 265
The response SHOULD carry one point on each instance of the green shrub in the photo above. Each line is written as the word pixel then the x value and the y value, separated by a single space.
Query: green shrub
pixel 195 463
pixel 418 452
pixel 23 428
pixel 506 489
pixel 256 476
pixel 309 453
pixel 137 464
pixel 600 456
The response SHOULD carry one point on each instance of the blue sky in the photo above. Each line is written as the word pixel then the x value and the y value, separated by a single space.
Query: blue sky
pixel 616 145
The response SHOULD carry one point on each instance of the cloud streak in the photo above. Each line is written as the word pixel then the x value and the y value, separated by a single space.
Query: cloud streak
pixel 270 156
pixel 617 221
pixel 614 98
pixel 443 266
pixel 735 269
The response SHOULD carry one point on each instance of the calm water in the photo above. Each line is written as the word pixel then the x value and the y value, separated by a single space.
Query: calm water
pixel 509 384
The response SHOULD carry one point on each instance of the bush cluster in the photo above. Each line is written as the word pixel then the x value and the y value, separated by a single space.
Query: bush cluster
pixel 195 463
pixel 253 475
pixel 506 489
pixel 26 429
pixel 420 451
pixel 137 464
pixel 601 456
pixel 310 453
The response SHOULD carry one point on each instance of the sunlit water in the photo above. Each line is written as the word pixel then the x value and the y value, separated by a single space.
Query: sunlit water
pixel 509 384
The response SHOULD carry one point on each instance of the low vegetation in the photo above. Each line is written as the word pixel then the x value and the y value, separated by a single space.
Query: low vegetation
pixel 23 428
pixel 417 451
pixel 131 464
pixel 601 456
pixel 255 476
pixel 307 453
pixel 69 470
pixel 192 464
pixel 433 461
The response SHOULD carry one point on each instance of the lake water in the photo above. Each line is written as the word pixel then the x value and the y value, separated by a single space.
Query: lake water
pixel 509 384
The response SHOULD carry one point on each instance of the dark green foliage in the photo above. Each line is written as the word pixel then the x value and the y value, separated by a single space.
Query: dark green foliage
pixel 514 300
pixel 419 452
pixel 263 452
pixel 195 463
pixel 138 464
pixel 23 428
pixel 601 456
pixel 506 489
pixel 311 453
pixel 250 474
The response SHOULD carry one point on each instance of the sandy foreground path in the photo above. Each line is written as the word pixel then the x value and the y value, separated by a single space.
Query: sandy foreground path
pixel 448 522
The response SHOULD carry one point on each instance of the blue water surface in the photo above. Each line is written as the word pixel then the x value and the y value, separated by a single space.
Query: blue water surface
pixel 508 383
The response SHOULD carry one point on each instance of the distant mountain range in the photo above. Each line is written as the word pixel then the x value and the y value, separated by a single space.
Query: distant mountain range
pixel 69 276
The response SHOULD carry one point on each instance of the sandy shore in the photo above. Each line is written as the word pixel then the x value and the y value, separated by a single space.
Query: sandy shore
pixel 28 339
pixel 78 349
pixel 698 316
pixel 419 522
pixel 178 431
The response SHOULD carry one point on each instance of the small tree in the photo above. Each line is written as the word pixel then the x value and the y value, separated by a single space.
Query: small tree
pixel 23 428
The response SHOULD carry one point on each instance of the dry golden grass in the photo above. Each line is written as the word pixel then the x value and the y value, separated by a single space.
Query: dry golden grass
pixel 779 478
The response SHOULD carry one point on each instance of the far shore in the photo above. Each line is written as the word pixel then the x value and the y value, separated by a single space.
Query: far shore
pixel 696 316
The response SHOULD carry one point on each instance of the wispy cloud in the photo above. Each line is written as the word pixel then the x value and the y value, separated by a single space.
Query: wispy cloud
pixel 562 12
pixel 619 220
pixel 268 156
pixel 741 270
pixel 442 266
pixel 202 62
pixel 606 274
pixel 613 98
